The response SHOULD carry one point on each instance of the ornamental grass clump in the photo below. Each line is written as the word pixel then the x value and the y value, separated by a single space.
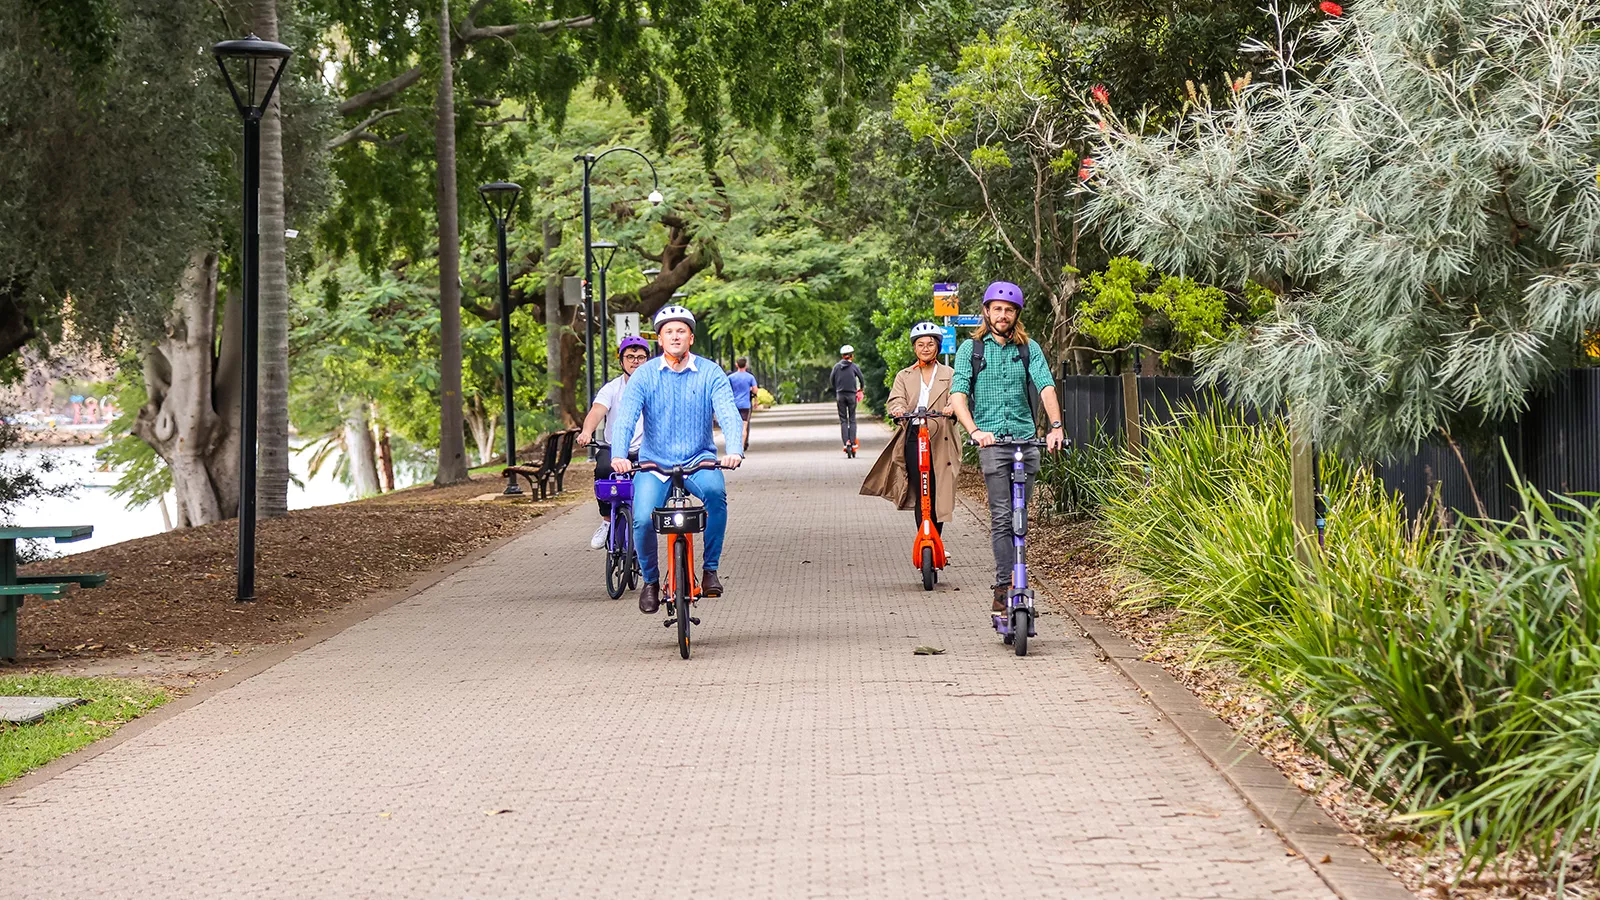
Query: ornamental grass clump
pixel 1453 674
pixel 1202 518
pixel 1470 697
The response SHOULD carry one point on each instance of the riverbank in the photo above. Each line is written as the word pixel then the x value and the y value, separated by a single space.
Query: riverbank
pixel 172 593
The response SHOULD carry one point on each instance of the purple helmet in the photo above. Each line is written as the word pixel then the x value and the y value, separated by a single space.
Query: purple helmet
pixel 632 341
pixel 1003 290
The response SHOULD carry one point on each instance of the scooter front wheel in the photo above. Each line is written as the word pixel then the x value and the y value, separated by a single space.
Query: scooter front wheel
pixel 1020 620
pixel 929 573
pixel 680 593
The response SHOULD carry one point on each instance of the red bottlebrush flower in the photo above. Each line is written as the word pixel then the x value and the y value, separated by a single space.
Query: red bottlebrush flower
pixel 1085 169
pixel 1331 8
pixel 1102 125
pixel 1100 95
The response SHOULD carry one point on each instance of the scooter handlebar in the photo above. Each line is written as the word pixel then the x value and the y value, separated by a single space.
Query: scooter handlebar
pixel 920 413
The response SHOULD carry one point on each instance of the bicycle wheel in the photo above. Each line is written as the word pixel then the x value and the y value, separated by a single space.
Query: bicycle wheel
pixel 928 573
pixel 1019 629
pixel 616 574
pixel 680 592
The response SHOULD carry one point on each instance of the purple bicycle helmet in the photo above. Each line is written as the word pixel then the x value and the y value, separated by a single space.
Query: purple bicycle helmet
pixel 632 341
pixel 1003 290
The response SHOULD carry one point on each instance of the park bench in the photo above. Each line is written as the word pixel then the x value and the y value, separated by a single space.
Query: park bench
pixel 14 587
pixel 544 473
pixel 564 459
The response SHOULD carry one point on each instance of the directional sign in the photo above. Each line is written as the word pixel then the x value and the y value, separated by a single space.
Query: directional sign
pixel 945 300
pixel 965 321
pixel 627 325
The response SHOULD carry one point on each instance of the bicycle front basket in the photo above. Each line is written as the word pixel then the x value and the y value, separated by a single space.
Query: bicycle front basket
pixel 618 489
pixel 679 519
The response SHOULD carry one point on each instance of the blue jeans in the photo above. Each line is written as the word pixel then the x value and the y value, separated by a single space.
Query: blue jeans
pixel 650 492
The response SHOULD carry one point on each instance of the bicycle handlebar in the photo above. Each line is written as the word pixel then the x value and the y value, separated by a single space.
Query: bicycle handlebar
pixel 701 466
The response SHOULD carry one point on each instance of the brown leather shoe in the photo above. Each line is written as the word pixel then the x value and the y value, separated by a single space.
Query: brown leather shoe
pixel 999 604
pixel 649 599
pixel 710 585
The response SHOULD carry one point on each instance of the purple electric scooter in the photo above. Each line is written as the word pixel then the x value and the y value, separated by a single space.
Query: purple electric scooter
pixel 1016 623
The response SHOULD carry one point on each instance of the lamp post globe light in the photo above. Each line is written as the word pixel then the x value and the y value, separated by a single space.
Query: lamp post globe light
pixel 590 160
pixel 253 58
pixel 603 252
pixel 500 197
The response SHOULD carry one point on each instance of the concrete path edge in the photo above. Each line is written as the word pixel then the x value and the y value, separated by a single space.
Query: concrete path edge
pixel 1348 869
pixel 264 659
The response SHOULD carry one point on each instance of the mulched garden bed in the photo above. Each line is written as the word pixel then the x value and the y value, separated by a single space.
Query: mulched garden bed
pixel 174 591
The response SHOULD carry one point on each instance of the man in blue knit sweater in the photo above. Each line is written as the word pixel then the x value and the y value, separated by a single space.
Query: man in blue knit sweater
pixel 678 397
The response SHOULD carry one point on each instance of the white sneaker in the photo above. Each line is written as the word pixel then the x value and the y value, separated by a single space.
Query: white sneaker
pixel 598 542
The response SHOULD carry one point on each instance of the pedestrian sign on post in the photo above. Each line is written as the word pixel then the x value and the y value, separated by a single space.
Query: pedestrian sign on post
pixel 948 346
pixel 945 300
pixel 627 325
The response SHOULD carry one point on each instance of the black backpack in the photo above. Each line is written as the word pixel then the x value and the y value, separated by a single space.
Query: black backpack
pixel 978 364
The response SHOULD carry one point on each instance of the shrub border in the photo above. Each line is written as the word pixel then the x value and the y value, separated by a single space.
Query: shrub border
pixel 1334 854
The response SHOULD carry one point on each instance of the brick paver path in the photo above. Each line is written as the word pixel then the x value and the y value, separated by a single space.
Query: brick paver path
pixel 513 733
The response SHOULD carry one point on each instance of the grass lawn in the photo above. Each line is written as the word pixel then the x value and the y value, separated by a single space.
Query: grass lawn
pixel 112 703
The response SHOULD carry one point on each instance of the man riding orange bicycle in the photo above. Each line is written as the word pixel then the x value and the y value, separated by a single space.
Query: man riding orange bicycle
pixel 679 397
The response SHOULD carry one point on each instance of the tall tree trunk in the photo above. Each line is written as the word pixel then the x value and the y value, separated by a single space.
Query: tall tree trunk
pixel 452 440
pixel 385 456
pixel 360 448
pixel 192 415
pixel 272 429
pixel 481 422
pixel 552 320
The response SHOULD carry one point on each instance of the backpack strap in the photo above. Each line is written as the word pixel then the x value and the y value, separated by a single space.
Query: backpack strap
pixel 978 363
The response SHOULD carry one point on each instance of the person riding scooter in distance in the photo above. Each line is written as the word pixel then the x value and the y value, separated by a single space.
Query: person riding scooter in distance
pixel 925 384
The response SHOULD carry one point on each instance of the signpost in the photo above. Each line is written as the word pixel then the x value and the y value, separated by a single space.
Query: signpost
pixel 946 301
pixel 948 345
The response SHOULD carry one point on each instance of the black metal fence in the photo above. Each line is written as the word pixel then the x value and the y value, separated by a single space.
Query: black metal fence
pixel 1555 444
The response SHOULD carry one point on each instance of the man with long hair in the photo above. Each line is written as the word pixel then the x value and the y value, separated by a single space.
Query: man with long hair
pixel 994 398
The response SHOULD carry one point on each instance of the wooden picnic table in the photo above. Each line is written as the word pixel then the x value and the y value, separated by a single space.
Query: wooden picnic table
pixel 14 587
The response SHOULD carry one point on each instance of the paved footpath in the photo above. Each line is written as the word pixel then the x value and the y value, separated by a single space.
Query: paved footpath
pixel 511 732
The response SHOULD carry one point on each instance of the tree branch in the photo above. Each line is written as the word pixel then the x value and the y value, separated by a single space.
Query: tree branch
pixel 381 93
pixel 360 131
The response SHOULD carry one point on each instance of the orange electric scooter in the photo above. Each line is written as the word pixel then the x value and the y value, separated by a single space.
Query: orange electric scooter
pixel 927 551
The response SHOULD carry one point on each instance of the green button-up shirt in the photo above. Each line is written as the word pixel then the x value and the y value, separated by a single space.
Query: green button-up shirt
pixel 999 400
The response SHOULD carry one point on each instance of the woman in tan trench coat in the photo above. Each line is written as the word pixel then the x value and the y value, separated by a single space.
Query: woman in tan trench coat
pixel 892 476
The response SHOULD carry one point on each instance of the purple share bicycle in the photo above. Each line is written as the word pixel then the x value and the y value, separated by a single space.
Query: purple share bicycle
pixel 622 564
pixel 1016 623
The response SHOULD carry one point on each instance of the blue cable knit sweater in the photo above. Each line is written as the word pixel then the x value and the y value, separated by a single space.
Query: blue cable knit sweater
pixel 678 408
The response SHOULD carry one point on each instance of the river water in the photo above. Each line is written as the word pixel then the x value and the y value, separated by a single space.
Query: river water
pixel 91 502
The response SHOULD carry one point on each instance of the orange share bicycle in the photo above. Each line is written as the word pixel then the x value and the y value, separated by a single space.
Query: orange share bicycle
pixel 679 520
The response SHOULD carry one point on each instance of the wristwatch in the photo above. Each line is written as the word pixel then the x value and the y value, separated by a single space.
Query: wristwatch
pixel 1055 426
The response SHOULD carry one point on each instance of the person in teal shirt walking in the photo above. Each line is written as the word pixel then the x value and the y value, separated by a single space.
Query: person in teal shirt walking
pixel 995 402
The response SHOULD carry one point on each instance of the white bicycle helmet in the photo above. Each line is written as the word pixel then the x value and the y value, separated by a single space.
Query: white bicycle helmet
pixel 926 329
pixel 674 314
pixel 846 350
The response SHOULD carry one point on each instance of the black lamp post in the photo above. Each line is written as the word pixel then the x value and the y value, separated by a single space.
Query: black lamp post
pixel 589 161
pixel 250 54
pixel 501 199
pixel 603 252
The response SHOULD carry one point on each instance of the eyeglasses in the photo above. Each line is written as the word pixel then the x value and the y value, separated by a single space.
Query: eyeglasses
pixel 635 357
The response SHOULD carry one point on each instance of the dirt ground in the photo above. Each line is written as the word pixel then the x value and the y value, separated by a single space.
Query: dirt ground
pixel 173 592
pixel 1081 573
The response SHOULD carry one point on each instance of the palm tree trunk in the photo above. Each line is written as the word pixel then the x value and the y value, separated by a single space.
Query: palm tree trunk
pixel 551 232
pixel 272 441
pixel 452 439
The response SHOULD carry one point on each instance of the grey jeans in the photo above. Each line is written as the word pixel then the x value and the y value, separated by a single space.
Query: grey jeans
pixel 996 462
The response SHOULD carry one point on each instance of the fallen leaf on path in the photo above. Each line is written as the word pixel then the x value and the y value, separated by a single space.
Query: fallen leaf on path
pixel 928 651
pixel 495 812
